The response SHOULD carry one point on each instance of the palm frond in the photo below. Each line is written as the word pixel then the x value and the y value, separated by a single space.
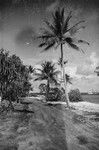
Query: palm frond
pixel 58 19
pixel 56 72
pixel 68 79
pixel 78 23
pixel 72 45
pixel 75 30
pixel 62 13
pixel 54 80
pixel 65 62
pixel 50 26
pixel 46 36
pixel 42 44
pixel 49 46
pixel 83 42
pixel 68 40
pixel 66 23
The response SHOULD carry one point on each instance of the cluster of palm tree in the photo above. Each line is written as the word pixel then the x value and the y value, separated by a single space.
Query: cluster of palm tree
pixel 49 72
pixel 57 34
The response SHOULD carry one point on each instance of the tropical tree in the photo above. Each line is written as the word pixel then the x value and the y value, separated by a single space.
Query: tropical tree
pixel 49 73
pixel 59 33
pixel 14 77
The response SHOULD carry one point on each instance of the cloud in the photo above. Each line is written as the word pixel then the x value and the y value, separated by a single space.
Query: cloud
pixel 71 70
pixel 88 67
pixel 25 37
pixel 52 6
pixel 86 84
pixel 83 76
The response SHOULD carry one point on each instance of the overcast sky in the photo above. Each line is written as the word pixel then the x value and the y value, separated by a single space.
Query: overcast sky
pixel 21 20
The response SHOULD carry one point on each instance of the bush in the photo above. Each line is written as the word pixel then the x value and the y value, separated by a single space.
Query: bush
pixel 75 96
pixel 56 94
pixel 42 88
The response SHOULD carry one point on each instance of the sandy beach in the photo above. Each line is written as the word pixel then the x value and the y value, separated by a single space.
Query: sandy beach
pixel 81 106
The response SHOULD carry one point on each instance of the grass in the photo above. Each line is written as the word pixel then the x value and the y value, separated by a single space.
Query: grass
pixel 48 128
pixel 78 119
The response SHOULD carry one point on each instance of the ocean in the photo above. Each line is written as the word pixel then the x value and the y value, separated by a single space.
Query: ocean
pixel 91 98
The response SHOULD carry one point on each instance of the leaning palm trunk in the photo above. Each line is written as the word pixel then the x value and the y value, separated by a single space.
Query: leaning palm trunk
pixel 64 78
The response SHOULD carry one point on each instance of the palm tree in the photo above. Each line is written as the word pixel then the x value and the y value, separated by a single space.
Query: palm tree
pixel 68 79
pixel 59 33
pixel 49 73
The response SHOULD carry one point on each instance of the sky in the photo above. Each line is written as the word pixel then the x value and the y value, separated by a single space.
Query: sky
pixel 22 20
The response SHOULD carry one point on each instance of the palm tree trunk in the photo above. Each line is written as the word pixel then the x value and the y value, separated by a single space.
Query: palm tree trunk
pixel 47 92
pixel 1 92
pixel 11 105
pixel 64 78
pixel 1 96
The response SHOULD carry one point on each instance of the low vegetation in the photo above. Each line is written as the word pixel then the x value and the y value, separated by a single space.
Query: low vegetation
pixel 56 94
pixel 75 96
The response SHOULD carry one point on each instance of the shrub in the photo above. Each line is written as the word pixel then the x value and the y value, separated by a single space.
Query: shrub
pixel 75 95
pixel 42 88
pixel 56 94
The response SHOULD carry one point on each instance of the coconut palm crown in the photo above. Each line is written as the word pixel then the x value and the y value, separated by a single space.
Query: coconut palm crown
pixel 58 32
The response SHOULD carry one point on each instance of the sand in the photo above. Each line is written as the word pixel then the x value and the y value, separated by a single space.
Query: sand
pixel 82 106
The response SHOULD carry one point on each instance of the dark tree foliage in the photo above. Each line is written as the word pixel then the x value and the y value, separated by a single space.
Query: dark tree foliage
pixel 57 94
pixel 75 95
pixel 14 77
pixel 42 88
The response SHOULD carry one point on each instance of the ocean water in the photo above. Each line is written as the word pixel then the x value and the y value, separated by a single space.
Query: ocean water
pixel 91 98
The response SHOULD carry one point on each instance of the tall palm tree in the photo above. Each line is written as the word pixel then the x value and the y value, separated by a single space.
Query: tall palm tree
pixel 49 73
pixel 59 33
